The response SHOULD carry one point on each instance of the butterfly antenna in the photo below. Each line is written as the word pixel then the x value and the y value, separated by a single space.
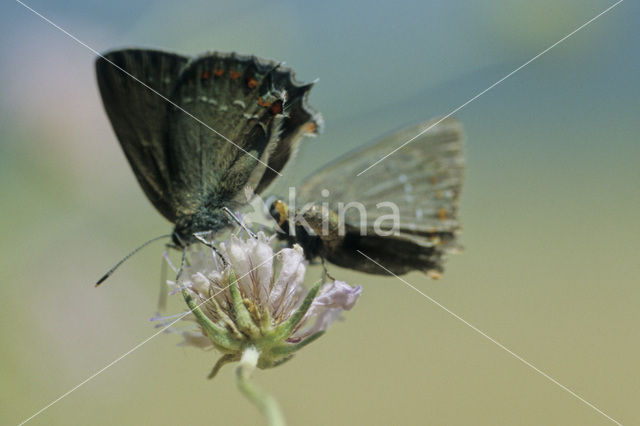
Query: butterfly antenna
pixel 183 261
pixel 239 221
pixel 117 265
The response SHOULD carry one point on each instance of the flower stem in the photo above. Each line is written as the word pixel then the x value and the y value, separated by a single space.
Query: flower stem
pixel 265 402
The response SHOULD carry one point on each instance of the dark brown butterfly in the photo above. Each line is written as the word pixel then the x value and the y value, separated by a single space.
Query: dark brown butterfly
pixel 423 179
pixel 197 131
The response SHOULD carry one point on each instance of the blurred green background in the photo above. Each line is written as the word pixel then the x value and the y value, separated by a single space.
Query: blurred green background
pixel 550 211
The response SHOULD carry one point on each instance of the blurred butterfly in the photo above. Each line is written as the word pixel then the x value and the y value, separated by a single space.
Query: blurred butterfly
pixel 197 131
pixel 423 179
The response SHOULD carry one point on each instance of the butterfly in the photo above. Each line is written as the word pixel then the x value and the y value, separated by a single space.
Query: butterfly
pixel 198 131
pixel 356 217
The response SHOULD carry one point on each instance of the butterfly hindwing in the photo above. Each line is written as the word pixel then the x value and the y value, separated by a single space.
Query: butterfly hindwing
pixel 424 181
pixel 301 120
pixel 248 115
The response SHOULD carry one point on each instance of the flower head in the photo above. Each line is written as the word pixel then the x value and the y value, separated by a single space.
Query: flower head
pixel 248 296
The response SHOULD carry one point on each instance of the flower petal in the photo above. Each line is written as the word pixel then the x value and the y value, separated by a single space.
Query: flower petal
pixel 337 294
pixel 237 256
pixel 200 284
pixel 333 298
pixel 261 258
pixel 287 290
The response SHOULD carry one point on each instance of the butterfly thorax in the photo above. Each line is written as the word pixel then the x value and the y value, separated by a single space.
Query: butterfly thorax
pixel 202 220
pixel 317 232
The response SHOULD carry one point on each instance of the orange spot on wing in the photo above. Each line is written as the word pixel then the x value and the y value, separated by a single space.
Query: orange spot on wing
pixel 442 214
pixel 311 127
pixel 218 72
pixel 263 103
pixel 234 74
pixel 252 83
pixel 205 75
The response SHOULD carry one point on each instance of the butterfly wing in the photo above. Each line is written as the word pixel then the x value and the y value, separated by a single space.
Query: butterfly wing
pixel 132 84
pixel 243 113
pixel 301 120
pixel 423 179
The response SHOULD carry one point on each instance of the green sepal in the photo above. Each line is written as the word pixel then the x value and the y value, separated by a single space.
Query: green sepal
pixel 285 329
pixel 264 364
pixel 224 359
pixel 282 361
pixel 243 318
pixel 218 335
pixel 290 348
pixel 265 319
pixel 224 317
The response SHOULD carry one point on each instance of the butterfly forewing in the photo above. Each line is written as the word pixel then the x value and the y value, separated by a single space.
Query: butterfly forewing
pixel 138 113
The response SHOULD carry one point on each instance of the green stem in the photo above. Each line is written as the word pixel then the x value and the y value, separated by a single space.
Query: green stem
pixel 265 402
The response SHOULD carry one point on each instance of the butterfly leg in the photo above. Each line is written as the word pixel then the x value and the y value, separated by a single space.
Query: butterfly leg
pixel 239 221
pixel 183 261
pixel 201 237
